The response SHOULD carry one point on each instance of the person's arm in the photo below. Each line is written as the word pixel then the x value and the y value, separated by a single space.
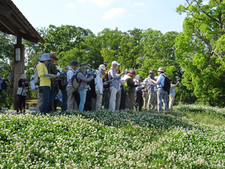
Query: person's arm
pixel 177 84
pixel 130 83
pixel 81 77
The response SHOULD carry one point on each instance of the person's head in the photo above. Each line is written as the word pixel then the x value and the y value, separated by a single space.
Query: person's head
pixel 45 58
pixel 115 65
pixel 67 68
pixel 152 72
pixel 23 77
pixel 140 79
pixel 132 73
pixel 53 56
pixel 102 68
pixel 74 64
pixel 84 67
pixel 160 71
pixel 171 81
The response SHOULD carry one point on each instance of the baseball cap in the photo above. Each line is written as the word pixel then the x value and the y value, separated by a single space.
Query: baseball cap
pixel 102 67
pixel 115 63
pixel 133 72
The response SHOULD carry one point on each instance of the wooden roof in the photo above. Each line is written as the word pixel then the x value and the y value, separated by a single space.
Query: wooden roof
pixel 12 21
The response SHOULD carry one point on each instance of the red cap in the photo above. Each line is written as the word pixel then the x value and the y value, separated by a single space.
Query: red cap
pixel 133 72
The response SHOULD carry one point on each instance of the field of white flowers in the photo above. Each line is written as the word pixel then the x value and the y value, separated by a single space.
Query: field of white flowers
pixel 189 137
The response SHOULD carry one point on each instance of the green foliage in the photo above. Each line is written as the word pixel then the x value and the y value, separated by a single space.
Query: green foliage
pixel 6 59
pixel 200 50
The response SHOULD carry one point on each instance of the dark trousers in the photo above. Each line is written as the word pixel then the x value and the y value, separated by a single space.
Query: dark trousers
pixel 123 99
pixel 52 98
pixel 46 99
pixel 64 100
pixel 87 106
pixel 21 102
pixel 139 100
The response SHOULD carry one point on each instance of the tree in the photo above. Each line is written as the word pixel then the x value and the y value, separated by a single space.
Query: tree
pixel 200 49
pixel 6 59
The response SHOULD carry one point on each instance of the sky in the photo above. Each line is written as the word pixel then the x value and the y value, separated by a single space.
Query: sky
pixel 99 14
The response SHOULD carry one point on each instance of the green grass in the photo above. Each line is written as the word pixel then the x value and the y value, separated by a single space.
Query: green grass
pixel 189 137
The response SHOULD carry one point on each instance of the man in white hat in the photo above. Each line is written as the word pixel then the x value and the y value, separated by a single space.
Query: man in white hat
pixel 113 85
pixel 161 93
pixel 99 86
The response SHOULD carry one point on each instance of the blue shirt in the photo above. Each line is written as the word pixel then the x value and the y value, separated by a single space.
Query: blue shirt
pixel 161 80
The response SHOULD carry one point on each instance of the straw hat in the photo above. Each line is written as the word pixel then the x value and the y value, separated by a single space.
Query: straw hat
pixel 23 76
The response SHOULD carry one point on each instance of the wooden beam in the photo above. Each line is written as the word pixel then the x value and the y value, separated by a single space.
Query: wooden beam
pixel 30 38
pixel 5 21
pixel 4 10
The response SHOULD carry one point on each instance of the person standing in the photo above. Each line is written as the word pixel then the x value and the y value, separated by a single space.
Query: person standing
pixel 22 95
pixel 145 94
pixel 52 70
pixel 99 86
pixel 71 104
pixel 130 100
pixel 139 98
pixel 162 95
pixel 64 92
pixel 172 93
pixel 82 79
pixel 113 85
pixel 45 82
pixel 152 95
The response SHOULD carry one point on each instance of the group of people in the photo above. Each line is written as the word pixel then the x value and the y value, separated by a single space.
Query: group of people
pixel 99 89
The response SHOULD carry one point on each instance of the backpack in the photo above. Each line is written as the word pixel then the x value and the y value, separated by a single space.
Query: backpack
pixel 105 79
pixel 166 86
pixel 126 87
pixel 63 83
pixel 36 79
pixel 75 82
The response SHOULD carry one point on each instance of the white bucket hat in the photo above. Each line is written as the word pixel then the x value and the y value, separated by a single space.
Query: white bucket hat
pixel 23 76
pixel 102 67
pixel 161 70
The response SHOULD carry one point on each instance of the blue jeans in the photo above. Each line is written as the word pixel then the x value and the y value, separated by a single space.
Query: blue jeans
pixel 162 97
pixel 46 101
pixel 64 99
pixel 83 94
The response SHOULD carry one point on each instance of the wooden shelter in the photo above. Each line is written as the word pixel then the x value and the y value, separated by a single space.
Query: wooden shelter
pixel 13 22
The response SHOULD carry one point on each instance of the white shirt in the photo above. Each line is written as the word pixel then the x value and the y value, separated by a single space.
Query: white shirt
pixel 99 83
pixel 70 74
pixel 172 90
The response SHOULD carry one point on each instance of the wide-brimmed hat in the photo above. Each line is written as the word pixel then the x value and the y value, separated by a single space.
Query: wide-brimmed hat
pixel 133 72
pixel 102 67
pixel 23 76
pixel 115 63
pixel 44 57
pixel 74 63
pixel 152 71
pixel 53 56
pixel 140 78
pixel 84 66
pixel 161 70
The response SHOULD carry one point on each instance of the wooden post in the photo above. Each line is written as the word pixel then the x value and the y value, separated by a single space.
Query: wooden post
pixel 18 69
